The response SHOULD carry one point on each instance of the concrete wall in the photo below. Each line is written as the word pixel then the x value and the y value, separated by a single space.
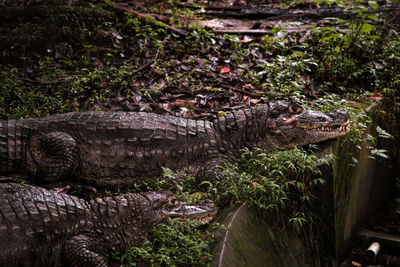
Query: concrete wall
pixel 250 241
pixel 359 190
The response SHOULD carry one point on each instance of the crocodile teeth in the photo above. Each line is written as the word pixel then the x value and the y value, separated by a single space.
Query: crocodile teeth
pixel 204 219
pixel 333 128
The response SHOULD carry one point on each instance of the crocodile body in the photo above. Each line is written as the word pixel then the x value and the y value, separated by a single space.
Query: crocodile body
pixel 118 148
pixel 44 228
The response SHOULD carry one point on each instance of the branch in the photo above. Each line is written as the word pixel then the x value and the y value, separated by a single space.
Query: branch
pixel 264 12
pixel 149 19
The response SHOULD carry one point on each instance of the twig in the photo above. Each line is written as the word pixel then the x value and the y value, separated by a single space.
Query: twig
pixel 150 19
pixel 144 66
pixel 243 91
pixel 264 12
pixel 241 31
pixel 151 61
pixel 211 7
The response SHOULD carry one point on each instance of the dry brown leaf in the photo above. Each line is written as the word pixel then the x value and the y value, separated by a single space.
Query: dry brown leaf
pixel 185 102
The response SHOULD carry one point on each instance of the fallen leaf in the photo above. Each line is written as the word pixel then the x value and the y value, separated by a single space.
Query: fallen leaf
pixel 378 66
pixel 158 86
pixel 376 96
pixel 248 86
pixel 62 190
pixel 185 103
pixel 202 99
pixel 225 70
pixel 220 106
pixel 136 98
pixel 164 108
pixel 116 34
pixel 254 101
pixel 129 106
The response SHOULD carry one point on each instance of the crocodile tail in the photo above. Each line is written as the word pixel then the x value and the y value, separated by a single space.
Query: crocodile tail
pixel 12 149
pixel 3 145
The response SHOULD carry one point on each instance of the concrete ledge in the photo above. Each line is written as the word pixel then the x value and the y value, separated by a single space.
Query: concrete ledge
pixel 383 238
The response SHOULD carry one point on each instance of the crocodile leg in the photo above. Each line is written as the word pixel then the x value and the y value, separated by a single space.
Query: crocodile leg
pixel 82 250
pixel 55 155
pixel 210 170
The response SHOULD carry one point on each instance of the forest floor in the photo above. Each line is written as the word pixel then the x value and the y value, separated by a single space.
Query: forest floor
pixel 97 57
pixel 198 59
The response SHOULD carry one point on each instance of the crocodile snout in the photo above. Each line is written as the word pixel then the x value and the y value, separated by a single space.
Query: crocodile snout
pixel 339 116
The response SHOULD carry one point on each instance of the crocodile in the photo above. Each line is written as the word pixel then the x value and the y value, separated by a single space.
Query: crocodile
pixel 39 227
pixel 121 148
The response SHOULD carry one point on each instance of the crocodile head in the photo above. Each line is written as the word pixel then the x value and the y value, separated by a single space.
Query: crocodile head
pixel 166 205
pixel 290 124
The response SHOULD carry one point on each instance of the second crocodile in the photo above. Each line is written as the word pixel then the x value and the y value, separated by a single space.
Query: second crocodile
pixel 44 228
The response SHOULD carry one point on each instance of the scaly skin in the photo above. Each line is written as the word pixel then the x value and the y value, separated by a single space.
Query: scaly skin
pixel 44 228
pixel 118 148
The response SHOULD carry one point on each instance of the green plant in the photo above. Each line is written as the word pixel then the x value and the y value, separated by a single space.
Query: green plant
pixel 280 183
pixel 360 138
pixel 177 243
pixel 283 75
pixel 345 48
pixel 376 152
pixel 16 100
pixel 389 77
pixel 19 179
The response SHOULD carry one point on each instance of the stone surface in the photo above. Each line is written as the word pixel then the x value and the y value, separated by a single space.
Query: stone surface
pixel 250 241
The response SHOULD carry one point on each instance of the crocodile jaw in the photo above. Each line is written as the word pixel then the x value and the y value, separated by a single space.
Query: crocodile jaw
pixel 293 136
pixel 290 130
pixel 200 213
pixel 165 205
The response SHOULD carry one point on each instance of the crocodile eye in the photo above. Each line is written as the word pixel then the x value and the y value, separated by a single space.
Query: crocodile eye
pixel 295 109
pixel 172 201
